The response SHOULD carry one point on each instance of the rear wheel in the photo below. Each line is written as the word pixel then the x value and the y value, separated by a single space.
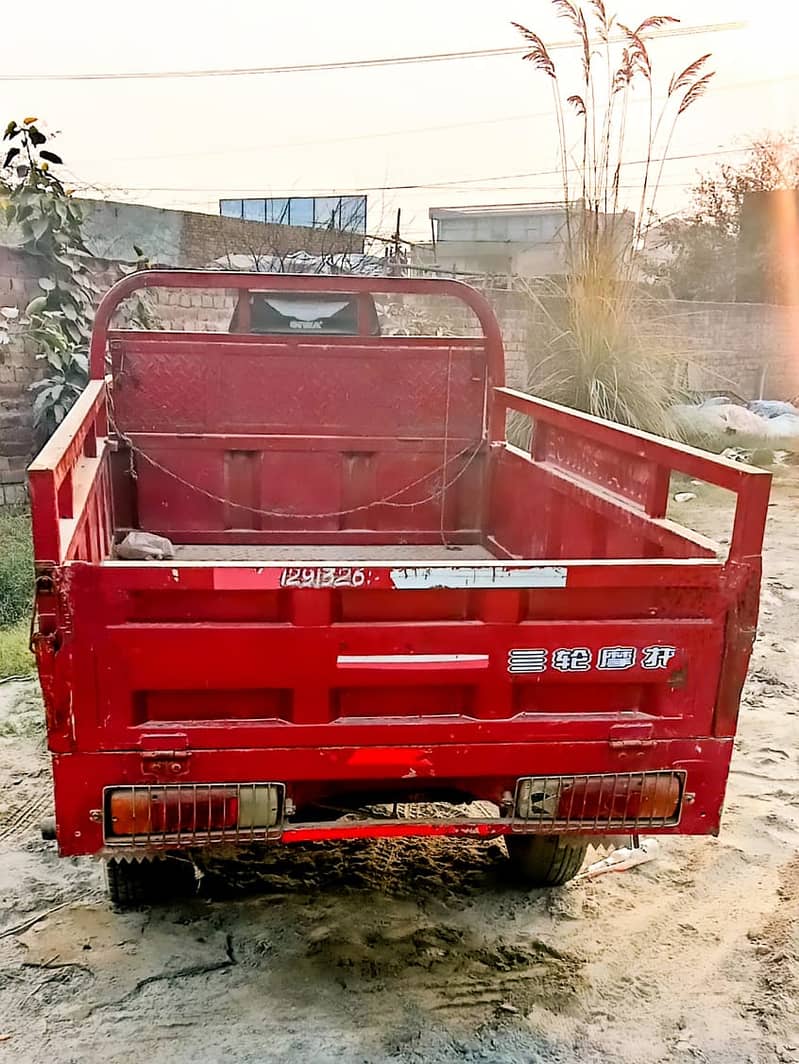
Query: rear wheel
pixel 133 883
pixel 545 860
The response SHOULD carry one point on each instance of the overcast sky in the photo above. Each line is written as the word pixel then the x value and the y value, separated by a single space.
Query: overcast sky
pixel 463 126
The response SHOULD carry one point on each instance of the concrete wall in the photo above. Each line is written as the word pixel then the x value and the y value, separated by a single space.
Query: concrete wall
pixel 193 239
pixel 502 257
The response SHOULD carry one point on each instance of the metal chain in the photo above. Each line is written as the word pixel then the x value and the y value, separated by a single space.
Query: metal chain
pixel 387 500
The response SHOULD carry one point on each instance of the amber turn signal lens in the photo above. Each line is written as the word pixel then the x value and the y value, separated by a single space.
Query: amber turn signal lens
pixel 171 810
pixel 627 798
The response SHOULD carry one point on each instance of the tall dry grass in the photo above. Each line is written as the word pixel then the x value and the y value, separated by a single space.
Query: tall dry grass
pixel 599 357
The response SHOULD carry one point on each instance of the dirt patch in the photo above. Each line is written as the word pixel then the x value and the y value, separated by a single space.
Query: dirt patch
pixel 400 867
pixel 777 948
pixel 450 967
pixel 20 710
pixel 417 951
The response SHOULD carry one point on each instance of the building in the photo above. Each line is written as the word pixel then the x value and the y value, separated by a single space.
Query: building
pixel 530 239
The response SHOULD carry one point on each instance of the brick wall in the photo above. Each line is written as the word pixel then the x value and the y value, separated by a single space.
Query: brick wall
pixel 18 369
pixel 193 309
pixel 419 314
pixel 748 348
pixel 745 348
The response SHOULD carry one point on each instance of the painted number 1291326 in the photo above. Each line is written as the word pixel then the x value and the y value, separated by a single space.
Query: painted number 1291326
pixel 323 577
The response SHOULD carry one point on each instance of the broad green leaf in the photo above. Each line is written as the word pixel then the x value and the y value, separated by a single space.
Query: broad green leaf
pixel 39 226
pixel 73 332
pixel 36 305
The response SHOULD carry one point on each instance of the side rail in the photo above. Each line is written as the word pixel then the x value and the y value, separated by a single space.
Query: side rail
pixel 634 466
pixel 69 485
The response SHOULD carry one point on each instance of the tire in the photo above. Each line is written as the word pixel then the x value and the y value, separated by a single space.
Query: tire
pixel 545 860
pixel 130 884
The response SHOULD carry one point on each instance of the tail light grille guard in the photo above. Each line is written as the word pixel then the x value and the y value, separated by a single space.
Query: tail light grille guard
pixel 152 817
pixel 161 816
pixel 611 801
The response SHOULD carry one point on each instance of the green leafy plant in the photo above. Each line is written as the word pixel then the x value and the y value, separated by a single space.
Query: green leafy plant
pixel 16 566
pixel 598 359
pixel 58 321
pixel 15 656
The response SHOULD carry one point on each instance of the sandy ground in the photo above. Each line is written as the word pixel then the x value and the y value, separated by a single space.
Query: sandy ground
pixel 416 952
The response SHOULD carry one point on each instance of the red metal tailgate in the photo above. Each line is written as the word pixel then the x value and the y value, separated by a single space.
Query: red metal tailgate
pixel 231 656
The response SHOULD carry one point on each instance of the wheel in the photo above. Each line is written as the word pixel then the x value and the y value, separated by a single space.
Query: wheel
pixel 545 860
pixel 133 883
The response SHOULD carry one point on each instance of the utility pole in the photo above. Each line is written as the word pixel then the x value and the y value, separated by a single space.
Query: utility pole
pixel 396 257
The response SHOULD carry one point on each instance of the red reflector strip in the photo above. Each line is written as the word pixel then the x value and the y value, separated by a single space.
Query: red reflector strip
pixel 390 756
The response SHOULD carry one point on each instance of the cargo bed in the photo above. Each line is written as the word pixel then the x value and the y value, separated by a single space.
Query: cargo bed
pixel 374 596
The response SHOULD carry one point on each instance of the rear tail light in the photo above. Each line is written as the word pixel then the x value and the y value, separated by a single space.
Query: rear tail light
pixel 153 815
pixel 611 800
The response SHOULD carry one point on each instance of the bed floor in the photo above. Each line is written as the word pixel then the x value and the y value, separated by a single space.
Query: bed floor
pixel 197 552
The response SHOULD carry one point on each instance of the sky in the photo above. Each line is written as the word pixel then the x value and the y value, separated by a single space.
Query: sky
pixel 462 130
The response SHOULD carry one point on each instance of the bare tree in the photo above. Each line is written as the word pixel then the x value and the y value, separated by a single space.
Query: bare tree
pixel 702 242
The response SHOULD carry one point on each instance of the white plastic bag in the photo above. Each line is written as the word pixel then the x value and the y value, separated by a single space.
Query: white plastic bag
pixel 622 859
pixel 144 547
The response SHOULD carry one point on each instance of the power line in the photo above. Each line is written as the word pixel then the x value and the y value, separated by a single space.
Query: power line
pixel 385 133
pixel 241 193
pixel 353 64
pixel 318 143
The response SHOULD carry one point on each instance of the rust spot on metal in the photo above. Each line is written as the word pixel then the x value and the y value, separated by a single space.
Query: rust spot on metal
pixel 679 678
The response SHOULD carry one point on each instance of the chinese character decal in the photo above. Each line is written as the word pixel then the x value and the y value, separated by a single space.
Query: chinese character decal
pixel 576 659
pixel 581 659
pixel 611 658
pixel 527 661
pixel 657 657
